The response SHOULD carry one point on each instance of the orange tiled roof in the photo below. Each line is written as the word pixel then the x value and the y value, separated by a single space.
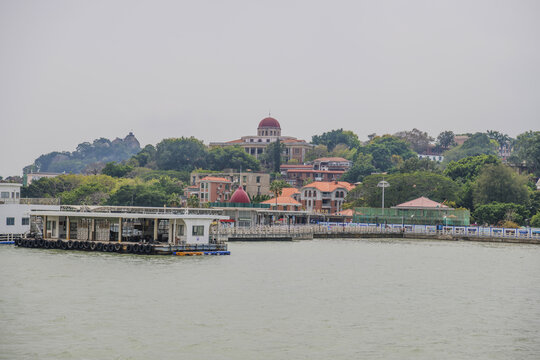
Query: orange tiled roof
pixel 283 201
pixel 213 178
pixel 289 191
pixel 294 141
pixel 235 141
pixel 329 186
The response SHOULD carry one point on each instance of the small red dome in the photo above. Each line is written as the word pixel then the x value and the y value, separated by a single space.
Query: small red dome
pixel 269 122
pixel 240 197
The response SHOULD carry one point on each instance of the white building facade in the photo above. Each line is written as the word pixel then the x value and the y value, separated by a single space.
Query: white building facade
pixel 14 215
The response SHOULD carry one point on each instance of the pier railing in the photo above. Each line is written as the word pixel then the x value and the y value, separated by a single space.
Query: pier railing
pixel 335 229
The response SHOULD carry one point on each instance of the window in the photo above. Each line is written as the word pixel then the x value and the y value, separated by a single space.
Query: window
pixel 25 221
pixel 4 195
pixel 198 230
pixel 244 179
pixel 10 220
pixel 179 230
pixel 258 179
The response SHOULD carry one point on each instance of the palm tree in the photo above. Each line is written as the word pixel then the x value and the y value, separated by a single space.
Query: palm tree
pixel 276 187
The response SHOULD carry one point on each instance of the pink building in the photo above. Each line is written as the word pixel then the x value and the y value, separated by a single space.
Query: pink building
pixel 214 189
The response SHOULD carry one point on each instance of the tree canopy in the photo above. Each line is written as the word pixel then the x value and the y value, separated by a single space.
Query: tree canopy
pixel 497 182
pixel 383 148
pixel 335 137
pixel 445 140
pixel 527 152
pixel 99 151
pixel 467 169
pixel 183 154
pixel 418 140
pixel 405 187
pixel 231 157
pixel 477 144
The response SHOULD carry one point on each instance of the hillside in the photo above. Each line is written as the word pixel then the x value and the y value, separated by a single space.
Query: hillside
pixel 87 156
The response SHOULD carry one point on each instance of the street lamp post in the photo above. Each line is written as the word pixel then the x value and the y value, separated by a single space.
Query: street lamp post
pixel 383 184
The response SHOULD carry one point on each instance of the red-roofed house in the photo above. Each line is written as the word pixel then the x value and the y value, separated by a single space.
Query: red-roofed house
pixel 325 196
pixel 286 203
pixel 214 189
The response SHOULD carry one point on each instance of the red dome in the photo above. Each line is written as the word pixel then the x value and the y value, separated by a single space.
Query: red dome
pixel 269 122
pixel 240 197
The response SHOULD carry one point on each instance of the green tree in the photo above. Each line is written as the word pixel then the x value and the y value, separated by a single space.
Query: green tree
pixel 193 201
pixel 276 187
pixel 174 200
pixel 527 152
pixel 231 157
pixel 497 182
pixel 272 157
pixel 144 158
pixel 477 144
pixel 317 152
pixel 383 148
pixel 334 137
pixel 138 195
pixel 405 187
pixel 535 220
pixel 183 154
pixel 99 151
pixel 496 212
pixel 415 164
pixel 116 170
pixel 445 140
pixel 343 151
pixel 499 137
pixel 362 167
pixel 418 140
pixel 467 169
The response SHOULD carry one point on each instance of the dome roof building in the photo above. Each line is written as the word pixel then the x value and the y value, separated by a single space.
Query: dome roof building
pixel 269 131
pixel 240 197
pixel 269 127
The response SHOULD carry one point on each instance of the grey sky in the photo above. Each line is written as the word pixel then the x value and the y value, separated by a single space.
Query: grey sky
pixel 72 71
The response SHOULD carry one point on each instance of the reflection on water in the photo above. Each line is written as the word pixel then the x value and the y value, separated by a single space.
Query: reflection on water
pixel 340 299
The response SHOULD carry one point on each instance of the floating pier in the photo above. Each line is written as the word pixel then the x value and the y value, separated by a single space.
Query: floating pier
pixel 133 230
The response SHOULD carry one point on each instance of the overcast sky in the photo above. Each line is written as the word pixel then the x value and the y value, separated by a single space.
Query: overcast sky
pixel 72 71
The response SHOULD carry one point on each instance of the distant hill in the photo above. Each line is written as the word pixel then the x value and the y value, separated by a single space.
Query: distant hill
pixel 87 156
